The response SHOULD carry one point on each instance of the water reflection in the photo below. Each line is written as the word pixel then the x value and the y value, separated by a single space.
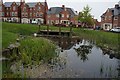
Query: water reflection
pixel 83 51
pixel 78 58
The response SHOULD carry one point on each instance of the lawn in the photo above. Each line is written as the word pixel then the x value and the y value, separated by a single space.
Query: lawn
pixel 11 31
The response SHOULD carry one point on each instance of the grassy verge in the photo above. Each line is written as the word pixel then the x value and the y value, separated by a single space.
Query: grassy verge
pixel 101 37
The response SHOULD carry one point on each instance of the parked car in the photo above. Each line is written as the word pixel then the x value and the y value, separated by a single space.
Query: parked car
pixel 34 22
pixel 9 20
pixel 117 29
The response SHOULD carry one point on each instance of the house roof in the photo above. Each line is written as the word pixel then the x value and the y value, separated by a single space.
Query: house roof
pixel 32 4
pixel 116 11
pixel 57 10
pixel 8 4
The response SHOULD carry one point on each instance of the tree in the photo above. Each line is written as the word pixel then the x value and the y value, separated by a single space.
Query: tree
pixel 85 17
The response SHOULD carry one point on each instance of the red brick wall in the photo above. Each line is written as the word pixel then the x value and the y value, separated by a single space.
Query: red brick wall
pixel 109 20
pixel 65 13
pixel 16 9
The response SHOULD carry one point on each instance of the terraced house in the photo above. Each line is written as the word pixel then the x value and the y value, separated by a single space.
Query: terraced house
pixel 34 11
pixel 61 15
pixel 24 12
pixel 111 18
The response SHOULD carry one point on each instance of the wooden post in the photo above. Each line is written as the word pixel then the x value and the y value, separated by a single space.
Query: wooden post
pixel 70 29
pixel 47 29
pixel 59 30
pixel 39 24
pixel 59 24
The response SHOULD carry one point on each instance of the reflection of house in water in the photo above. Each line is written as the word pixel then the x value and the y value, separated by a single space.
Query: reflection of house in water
pixel 66 43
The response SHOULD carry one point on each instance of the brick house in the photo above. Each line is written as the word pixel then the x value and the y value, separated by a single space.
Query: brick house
pixel 111 18
pixel 24 12
pixel 2 10
pixel 61 15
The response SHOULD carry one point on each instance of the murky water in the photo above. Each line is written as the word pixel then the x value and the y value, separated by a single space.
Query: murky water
pixel 83 60
pixel 76 58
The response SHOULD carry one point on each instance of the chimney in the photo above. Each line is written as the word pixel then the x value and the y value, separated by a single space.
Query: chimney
pixel 117 6
pixel 63 6
pixel 76 11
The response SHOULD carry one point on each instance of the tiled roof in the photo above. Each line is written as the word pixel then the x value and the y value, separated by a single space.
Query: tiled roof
pixel 116 11
pixel 32 4
pixel 8 4
pixel 57 10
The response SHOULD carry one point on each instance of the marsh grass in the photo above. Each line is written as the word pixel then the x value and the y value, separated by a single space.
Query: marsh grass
pixel 36 49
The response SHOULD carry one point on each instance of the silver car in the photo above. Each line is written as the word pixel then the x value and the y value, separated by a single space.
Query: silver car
pixel 117 29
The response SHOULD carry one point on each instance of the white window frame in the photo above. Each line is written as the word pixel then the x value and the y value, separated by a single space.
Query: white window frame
pixel 14 8
pixel 67 15
pixel 57 15
pixel 62 15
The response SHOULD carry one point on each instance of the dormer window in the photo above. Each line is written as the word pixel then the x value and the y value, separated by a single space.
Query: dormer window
pixel 115 18
pixel 39 8
pixel 24 9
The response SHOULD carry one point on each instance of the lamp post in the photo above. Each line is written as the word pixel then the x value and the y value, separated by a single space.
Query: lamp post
pixel 59 24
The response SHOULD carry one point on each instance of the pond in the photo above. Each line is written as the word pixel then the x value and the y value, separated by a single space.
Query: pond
pixel 81 58
pixel 76 58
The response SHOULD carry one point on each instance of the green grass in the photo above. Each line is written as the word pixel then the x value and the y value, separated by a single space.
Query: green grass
pixel 101 37
pixel 108 38
pixel 36 49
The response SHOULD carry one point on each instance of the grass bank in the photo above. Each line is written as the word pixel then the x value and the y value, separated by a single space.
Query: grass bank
pixel 101 37
pixel 107 38
pixel 32 51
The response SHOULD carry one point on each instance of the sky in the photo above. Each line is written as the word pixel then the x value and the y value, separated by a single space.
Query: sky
pixel 98 6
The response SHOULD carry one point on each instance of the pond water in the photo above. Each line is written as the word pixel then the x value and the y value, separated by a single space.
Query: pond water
pixel 76 58
pixel 79 58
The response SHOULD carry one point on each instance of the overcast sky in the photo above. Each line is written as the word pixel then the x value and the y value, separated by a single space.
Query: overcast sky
pixel 98 6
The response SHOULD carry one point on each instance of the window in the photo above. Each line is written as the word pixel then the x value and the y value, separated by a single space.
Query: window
pixel 14 8
pixel 57 21
pixel 26 14
pixel 57 15
pixel 41 15
pixel 2 13
pixel 115 18
pixel 24 9
pixel 23 14
pixel 0 8
pixel 67 16
pixel 37 15
pixel 62 15
pixel 48 16
pixel 109 17
pixel 13 14
pixel 16 13
pixel 105 17
pixel 30 14
pixel 7 13
pixel 30 9
pixel 39 8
